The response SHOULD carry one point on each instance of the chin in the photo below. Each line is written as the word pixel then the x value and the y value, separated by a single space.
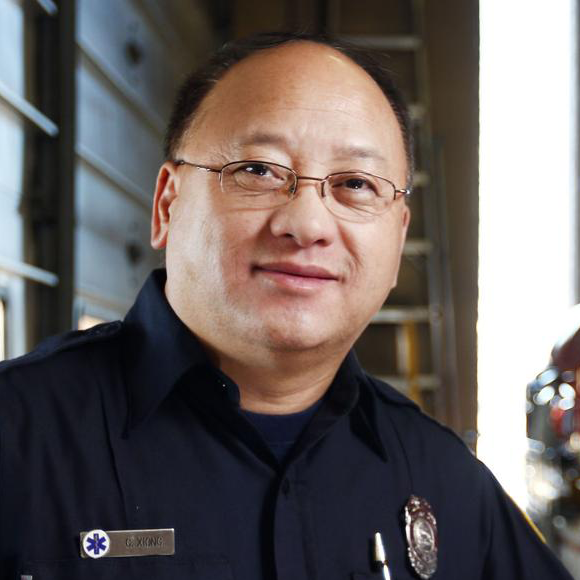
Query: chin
pixel 304 333
pixel 291 329
pixel 279 343
pixel 293 335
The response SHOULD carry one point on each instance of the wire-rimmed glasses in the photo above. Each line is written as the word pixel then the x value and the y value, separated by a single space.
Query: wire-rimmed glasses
pixel 347 194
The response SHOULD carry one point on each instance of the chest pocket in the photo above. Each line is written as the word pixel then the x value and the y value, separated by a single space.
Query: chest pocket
pixel 154 568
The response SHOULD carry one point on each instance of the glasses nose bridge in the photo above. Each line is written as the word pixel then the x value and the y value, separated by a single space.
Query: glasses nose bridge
pixel 320 180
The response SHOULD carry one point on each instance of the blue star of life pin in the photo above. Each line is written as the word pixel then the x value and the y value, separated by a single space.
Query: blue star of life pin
pixel 96 544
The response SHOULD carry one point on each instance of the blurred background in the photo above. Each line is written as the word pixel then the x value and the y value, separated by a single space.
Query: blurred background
pixel 490 269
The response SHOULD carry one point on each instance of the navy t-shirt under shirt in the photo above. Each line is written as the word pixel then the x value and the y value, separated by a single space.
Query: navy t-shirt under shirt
pixel 280 432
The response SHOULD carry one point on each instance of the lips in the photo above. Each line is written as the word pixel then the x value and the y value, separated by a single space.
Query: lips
pixel 298 270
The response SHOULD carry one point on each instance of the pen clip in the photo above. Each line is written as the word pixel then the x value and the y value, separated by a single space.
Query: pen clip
pixel 380 556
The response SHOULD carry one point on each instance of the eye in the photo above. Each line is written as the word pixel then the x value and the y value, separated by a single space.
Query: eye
pixel 258 177
pixel 257 169
pixel 357 183
pixel 354 186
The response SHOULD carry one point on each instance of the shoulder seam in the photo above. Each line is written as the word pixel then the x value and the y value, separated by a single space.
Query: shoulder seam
pixel 405 402
pixel 41 352
pixel 396 399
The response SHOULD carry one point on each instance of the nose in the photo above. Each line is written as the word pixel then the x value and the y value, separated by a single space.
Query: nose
pixel 305 218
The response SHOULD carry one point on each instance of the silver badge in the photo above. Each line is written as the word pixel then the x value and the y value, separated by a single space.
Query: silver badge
pixel 421 529
pixel 126 543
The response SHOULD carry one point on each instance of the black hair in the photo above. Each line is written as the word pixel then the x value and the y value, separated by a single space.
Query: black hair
pixel 200 82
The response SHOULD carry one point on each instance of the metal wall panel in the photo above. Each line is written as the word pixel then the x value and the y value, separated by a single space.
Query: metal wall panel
pixel 131 55
pixel 118 37
pixel 11 182
pixel 119 131
pixel 13 297
pixel 12 44
pixel 108 128
pixel 128 68
pixel 12 142
pixel 111 227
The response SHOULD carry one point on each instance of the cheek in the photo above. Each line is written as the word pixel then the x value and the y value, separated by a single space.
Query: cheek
pixel 376 255
pixel 225 246
pixel 191 239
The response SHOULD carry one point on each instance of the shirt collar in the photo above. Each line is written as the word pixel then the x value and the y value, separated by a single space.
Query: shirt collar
pixel 160 350
pixel 350 394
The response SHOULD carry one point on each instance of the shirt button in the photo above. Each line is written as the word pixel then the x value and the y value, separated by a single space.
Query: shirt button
pixel 286 487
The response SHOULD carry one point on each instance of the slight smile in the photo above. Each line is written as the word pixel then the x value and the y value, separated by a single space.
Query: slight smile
pixel 296 277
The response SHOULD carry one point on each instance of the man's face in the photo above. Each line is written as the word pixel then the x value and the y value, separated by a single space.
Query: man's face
pixel 293 277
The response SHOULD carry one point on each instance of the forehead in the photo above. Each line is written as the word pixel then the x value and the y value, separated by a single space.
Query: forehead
pixel 301 92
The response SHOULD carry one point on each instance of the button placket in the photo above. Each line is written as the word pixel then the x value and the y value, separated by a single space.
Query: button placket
pixel 285 487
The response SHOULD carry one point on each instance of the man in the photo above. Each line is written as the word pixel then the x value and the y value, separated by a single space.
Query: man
pixel 226 415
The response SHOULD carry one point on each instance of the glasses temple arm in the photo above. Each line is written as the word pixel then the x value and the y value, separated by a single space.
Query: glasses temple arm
pixel 204 167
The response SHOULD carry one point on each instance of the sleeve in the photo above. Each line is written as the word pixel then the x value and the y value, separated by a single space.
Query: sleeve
pixel 516 549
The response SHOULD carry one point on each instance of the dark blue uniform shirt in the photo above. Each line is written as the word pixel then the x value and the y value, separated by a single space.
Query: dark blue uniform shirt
pixel 128 426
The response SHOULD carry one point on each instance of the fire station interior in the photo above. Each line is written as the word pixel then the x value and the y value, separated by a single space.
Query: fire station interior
pixel 85 92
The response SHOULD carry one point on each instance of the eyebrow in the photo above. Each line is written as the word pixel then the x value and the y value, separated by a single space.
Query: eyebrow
pixel 340 152
pixel 358 152
pixel 261 138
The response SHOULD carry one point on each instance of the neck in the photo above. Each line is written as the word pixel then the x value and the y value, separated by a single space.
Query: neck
pixel 270 381
pixel 282 383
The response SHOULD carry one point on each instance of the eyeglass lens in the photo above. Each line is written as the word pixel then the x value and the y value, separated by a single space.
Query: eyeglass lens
pixel 345 194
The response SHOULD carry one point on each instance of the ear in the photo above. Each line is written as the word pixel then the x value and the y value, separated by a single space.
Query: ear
pixel 405 219
pixel 165 195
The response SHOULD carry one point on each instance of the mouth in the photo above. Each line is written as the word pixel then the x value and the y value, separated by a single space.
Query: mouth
pixel 298 270
pixel 296 276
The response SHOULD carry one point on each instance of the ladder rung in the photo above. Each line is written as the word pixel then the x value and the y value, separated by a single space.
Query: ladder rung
pixel 133 97
pixel 421 179
pixel 28 110
pixel 417 111
pixel 113 175
pixel 417 247
pixel 28 271
pixel 387 42
pixel 424 382
pixel 401 314
pixel 48 6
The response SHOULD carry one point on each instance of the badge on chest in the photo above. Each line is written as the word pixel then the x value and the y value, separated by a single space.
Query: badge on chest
pixel 422 543
pixel 127 543
pixel 421 532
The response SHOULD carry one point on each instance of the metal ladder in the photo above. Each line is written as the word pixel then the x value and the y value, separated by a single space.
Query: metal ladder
pixel 417 323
